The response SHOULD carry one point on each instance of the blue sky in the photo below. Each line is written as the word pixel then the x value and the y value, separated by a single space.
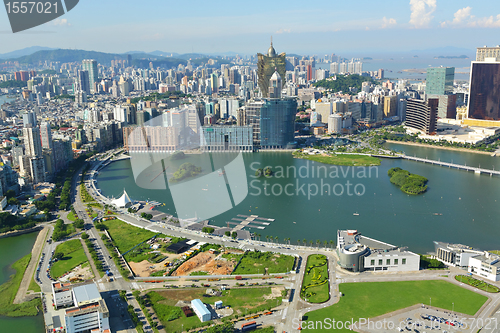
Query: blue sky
pixel 302 27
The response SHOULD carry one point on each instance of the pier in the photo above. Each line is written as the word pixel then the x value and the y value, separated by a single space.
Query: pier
pixel 252 221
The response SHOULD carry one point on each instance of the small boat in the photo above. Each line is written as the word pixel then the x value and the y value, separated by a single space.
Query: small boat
pixel 294 222
pixel 438 214
pixel 355 214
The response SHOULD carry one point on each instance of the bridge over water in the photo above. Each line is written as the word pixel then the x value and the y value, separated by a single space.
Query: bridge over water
pixel 477 170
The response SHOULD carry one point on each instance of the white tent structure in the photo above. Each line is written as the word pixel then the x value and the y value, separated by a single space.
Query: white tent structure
pixel 123 201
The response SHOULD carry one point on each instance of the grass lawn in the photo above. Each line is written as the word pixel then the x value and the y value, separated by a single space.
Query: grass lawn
pixel 126 236
pixel 372 299
pixel 71 216
pixel 95 205
pixel 74 255
pixel 34 286
pixel 479 284
pixel 86 197
pixel 8 292
pixel 198 273
pixel 257 262
pixel 495 252
pixel 315 286
pixel 241 300
pixel 341 159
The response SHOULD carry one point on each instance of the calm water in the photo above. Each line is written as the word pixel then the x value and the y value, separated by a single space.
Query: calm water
pixel 399 63
pixel 5 99
pixel 469 203
pixel 12 249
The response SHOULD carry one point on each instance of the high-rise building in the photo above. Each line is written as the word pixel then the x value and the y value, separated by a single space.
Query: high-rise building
pixel 390 106
pixel 488 52
pixel 32 142
pixel 46 135
pixel 277 123
pixel 422 115
pixel 484 97
pixel 83 81
pixel 267 65
pixel 439 81
pixel 275 86
pixel 90 65
pixel 29 119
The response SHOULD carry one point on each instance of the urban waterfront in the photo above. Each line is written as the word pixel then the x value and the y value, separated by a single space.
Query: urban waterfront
pixel 458 206
pixel 13 249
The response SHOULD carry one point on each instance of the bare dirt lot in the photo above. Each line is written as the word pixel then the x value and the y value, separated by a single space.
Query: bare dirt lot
pixel 78 273
pixel 206 262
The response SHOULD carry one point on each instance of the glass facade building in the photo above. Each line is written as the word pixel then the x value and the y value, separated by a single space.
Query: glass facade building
pixel 439 81
pixel 277 123
pixel 484 99
pixel 267 65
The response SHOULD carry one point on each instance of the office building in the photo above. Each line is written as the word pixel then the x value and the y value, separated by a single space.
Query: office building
pixel 421 116
pixel 390 106
pixel 90 65
pixel 201 310
pixel 29 119
pixel 484 97
pixel 226 138
pixel 447 107
pixel 83 83
pixel 277 123
pixel 359 253
pixel 335 123
pixel 482 263
pixel 483 53
pixel 266 66
pixel 439 81
pixel 88 311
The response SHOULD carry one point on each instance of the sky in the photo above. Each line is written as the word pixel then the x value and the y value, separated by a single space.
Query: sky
pixel 245 27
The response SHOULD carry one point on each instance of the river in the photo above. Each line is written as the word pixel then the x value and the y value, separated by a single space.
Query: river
pixel 13 249
pixel 467 202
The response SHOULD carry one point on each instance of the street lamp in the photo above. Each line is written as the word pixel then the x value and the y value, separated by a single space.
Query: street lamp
pixel 452 308
pixel 430 301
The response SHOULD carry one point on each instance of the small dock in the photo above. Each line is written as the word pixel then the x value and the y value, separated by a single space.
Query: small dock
pixel 252 221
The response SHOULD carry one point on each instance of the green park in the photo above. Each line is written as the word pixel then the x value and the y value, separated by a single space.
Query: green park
pixel 315 286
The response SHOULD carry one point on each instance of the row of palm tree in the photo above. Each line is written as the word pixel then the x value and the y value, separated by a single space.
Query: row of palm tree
pixel 304 242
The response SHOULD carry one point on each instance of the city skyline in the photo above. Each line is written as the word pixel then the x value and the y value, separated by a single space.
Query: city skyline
pixel 327 28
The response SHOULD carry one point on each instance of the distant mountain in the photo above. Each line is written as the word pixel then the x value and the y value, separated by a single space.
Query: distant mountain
pixel 445 51
pixel 24 52
pixel 64 55
pixel 164 54
pixel 192 56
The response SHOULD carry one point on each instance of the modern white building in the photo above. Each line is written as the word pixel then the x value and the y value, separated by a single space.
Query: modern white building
pixel 90 313
pixel 201 310
pixel 482 263
pixel 359 253
pixel 123 201
pixel 486 265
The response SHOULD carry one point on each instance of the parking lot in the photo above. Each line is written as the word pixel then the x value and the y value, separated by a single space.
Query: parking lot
pixel 420 320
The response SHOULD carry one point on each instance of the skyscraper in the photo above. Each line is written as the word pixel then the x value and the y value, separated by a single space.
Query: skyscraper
pixel 421 115
pixel 46 135
pixel 29 119
pixel 83 81
pixel 32 142
pixel 484 99
pixel 267 65
pixel 90 65
pixel 275 86
pixel 439 81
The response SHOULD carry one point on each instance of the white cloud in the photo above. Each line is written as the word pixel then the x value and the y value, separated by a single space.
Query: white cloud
pixel 464 18
pixel 61 22
pixel 388 22
pixel 421 12
pixel 283 31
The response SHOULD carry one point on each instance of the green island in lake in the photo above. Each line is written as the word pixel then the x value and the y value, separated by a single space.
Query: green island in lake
pixel 186 170
pixel 340 159
pixel 408 182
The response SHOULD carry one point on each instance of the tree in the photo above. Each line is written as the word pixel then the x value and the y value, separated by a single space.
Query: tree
pixel 13 201
pixel 227 233
pixel 58 255
pixel 298 241
pixel 85 236
pixel 234 234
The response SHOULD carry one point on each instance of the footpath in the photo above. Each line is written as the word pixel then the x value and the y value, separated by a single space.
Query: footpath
pixel 30 270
